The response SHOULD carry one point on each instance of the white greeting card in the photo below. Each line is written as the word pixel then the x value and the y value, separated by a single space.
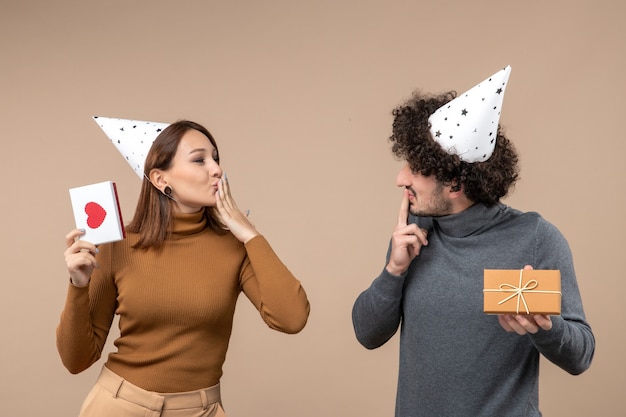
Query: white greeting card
pixel 97 211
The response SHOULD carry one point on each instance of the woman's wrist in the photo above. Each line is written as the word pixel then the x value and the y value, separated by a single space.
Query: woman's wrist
pixel 78 285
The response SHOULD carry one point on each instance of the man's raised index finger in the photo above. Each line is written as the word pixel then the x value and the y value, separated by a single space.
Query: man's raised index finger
pixel 403 216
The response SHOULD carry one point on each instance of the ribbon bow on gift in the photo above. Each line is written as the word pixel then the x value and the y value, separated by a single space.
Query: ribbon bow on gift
pixel 520 290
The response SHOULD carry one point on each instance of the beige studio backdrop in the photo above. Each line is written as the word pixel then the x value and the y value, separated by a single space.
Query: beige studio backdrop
pixel 298 95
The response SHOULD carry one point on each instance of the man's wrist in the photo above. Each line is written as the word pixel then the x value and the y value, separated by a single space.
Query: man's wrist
pixel 395 271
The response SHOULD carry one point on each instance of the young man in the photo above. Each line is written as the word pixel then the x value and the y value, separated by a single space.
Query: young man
pixel 455 360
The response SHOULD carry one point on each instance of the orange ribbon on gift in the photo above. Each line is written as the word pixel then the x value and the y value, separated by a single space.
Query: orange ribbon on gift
pixel 520 290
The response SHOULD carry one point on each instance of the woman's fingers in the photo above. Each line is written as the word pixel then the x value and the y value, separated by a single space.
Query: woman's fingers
pixel 70 238
pixel 80 257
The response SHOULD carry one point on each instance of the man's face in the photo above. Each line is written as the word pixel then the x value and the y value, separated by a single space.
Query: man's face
pixel 427 196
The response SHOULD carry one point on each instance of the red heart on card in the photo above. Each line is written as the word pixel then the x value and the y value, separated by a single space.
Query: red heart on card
pixel 95 214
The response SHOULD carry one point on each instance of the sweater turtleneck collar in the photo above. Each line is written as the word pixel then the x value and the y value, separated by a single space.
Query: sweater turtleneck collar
pixel 469 221
pixel 185 224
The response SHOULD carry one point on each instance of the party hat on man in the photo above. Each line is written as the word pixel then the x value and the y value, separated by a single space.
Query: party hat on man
pixel 468 125
pixel 132 138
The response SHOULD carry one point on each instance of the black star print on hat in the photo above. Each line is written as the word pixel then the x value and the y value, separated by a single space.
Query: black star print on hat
pixel 466 125
pixel 132 138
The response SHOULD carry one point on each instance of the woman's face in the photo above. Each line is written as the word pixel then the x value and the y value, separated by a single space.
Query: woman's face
pixel 194 173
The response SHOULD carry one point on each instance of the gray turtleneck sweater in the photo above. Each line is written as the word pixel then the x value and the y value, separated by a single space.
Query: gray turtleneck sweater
pixel 454 359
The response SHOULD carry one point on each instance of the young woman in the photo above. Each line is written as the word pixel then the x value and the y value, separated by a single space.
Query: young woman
pixel 174 281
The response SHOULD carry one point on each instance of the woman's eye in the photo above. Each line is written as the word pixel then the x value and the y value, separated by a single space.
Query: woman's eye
pixel 199 161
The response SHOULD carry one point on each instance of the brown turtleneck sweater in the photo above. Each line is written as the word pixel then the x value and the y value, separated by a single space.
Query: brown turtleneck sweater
pixel 176 306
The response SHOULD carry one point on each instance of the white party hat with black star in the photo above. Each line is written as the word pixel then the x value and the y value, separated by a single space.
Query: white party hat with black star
pixel 132 138
pixel 468 125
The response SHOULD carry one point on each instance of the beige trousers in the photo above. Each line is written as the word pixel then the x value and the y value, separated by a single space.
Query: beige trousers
pixel 114 396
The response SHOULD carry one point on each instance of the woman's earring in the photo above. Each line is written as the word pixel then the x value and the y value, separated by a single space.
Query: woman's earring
pixel 167 190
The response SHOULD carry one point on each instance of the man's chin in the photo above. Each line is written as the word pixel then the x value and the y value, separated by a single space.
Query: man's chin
pixel 416 212
pixel 423 213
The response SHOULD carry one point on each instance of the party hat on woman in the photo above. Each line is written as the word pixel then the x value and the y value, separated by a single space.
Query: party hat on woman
pixel 132 138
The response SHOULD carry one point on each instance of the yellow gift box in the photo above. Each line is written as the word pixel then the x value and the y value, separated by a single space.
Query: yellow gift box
pixel 522 291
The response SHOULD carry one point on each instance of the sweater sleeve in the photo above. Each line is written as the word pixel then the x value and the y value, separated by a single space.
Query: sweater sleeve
pixel 271 287
pixel 87 317
pixel 377 311
pixel 570 344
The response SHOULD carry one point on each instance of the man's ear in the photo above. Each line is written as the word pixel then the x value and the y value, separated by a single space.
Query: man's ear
pixel 456 189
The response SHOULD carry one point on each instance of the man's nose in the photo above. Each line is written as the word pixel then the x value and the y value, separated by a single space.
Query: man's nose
pixel 402 177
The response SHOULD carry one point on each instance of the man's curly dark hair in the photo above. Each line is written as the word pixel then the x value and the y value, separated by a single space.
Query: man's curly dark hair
pixel 483 182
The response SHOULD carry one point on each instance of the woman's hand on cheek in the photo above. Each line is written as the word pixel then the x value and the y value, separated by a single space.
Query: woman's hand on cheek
pixel 236 221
